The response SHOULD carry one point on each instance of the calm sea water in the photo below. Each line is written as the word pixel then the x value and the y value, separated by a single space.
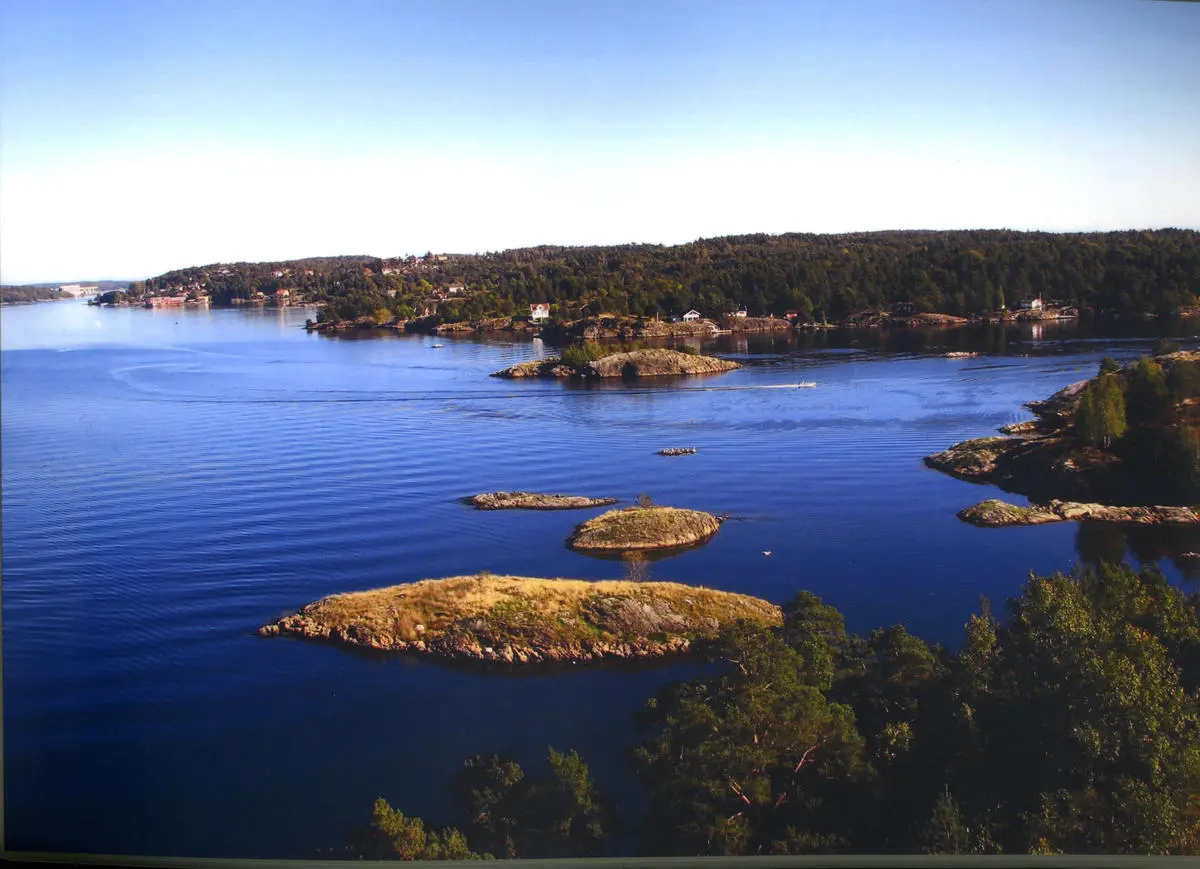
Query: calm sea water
pixel 174 479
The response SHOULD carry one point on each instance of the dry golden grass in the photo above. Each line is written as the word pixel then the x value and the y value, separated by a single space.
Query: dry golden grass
pixel 645 528
pixel 526 609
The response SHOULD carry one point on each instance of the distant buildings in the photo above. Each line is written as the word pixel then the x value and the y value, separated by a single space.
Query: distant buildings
pixel 1033 304
pixel 539 311
pixel 740 312
pixel 904 309
pixel 165 301
pixel 691 316
pixel 791 315
pixel 76 290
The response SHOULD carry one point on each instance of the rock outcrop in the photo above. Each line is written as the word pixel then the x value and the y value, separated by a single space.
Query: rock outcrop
pixel 522 620
pixel 644 528
pixel 999 514
pixel 636 363
pixel 534 501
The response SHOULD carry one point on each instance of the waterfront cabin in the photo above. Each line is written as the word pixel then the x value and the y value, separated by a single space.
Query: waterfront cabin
pixel 165 301
pixel 740 313
pixel 1032 305
pixel 904 309
pixel 791 316
pixel 539 311
pixel 691 316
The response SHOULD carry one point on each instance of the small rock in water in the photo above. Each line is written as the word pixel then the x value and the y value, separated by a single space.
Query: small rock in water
pixel 677 451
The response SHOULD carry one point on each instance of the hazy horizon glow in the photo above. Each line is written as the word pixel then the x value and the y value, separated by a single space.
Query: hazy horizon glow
pixel 138 137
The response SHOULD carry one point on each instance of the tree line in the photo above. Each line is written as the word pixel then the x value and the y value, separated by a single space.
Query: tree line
pixel 822 277
pixel 1072 725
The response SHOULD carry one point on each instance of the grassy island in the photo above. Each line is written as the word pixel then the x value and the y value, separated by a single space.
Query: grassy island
pixel 1129 436
pixel 592 360
pixel 642 528
pixel 534 501
pixel 522 620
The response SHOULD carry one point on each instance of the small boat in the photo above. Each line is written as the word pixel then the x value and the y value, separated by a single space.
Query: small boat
pixel 437 346
pixel 808 384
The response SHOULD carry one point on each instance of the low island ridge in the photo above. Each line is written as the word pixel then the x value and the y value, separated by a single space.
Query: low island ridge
pixel 654 362
pixel 534 501
pixel 525 620
pixel 644 528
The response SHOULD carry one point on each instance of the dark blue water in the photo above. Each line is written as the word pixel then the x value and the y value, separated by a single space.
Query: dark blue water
pixel 174 479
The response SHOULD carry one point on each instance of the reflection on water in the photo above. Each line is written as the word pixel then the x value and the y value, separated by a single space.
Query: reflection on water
pixel 1098 542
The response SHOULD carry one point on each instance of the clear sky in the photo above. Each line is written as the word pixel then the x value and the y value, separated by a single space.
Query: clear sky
pixel 136 137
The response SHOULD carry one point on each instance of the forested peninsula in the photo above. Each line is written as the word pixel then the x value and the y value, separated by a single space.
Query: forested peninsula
pixel 870 278
pixel 1130 436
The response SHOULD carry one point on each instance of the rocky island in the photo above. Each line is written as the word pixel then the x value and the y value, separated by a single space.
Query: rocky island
pixel 653 362
pixel 523 620
pixel 998 514
pixel 534 501
pixel 644 528
pixel 1127 437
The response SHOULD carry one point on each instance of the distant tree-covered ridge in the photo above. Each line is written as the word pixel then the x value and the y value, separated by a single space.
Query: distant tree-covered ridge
pixel 1071 726
pixel 13 294
pixel 820 277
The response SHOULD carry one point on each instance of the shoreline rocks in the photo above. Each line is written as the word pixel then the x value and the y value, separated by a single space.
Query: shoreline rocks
pixel 1000 514
pixel 524 620
pixel 644 528
pixel 533 501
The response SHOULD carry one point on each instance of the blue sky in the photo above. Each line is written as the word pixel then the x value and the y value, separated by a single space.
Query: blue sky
pixel 137 137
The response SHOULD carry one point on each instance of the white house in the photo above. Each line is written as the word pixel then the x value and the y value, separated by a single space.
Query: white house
pixel 539 311
pixel 455 289
pixel 1032 305
pixel 740 313
pixel 691 316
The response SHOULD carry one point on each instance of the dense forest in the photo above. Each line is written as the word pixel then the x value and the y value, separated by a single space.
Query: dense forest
pixel 1072 725
pixel 823 277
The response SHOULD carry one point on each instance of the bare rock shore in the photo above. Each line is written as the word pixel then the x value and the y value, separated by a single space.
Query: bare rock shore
pixel 999 514
pixel 534 501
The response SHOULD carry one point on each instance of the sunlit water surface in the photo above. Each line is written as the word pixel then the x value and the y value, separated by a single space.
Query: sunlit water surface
pixel 174 479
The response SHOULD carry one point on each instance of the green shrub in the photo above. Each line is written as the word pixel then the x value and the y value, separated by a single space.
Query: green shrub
pixel 579 355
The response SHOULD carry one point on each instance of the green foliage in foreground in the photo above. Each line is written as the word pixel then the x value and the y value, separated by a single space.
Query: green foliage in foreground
pixel 1072 726
pixel 507 814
